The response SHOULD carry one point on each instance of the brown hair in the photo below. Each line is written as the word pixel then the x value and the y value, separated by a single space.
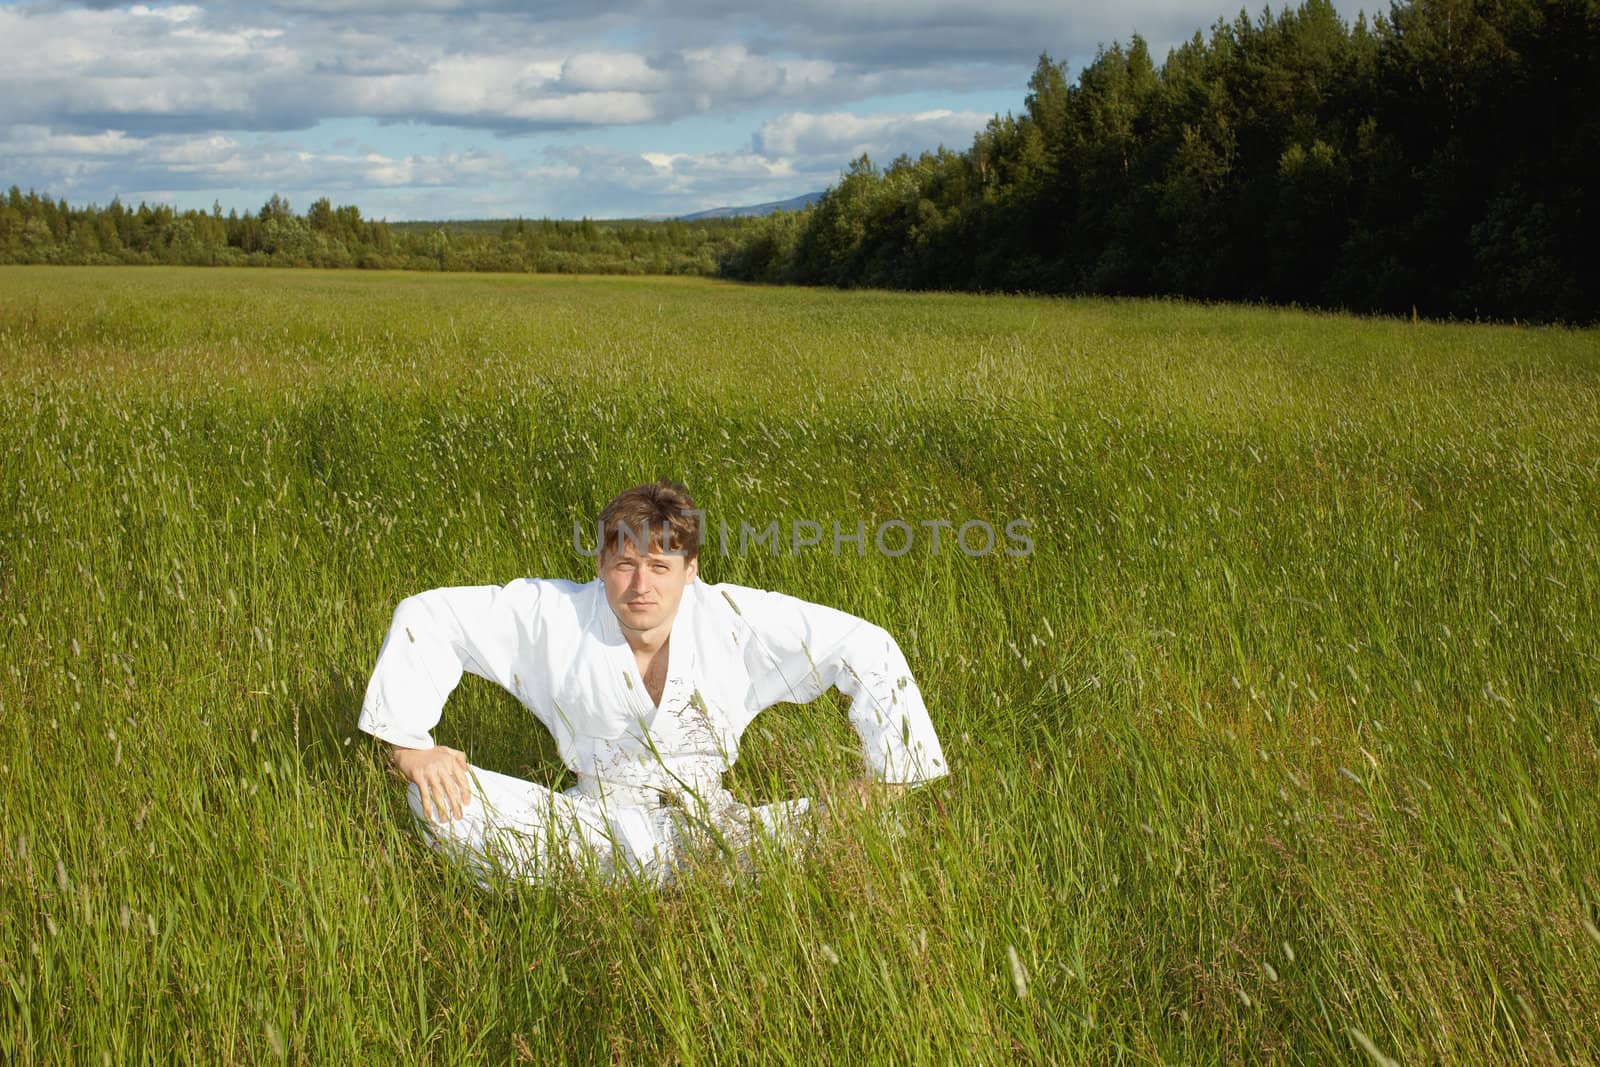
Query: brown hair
pixel 656 517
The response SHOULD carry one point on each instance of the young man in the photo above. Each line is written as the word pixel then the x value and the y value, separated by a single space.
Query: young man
pixel 646 677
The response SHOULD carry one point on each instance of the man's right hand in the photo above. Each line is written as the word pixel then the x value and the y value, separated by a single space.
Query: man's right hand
pixel 440 775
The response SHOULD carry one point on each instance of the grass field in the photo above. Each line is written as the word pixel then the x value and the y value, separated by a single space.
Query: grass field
pixel 1283 744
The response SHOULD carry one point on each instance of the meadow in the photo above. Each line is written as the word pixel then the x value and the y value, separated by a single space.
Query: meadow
pixel 1281 745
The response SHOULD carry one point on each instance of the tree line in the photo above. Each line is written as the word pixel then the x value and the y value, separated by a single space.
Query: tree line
pixel 1435 158
pixel 39 229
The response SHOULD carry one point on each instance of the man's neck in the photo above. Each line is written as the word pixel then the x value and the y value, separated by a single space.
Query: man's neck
pixel 648 641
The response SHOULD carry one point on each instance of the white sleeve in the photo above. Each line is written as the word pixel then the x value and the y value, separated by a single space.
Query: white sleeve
pixel 434 637
pixel 799 650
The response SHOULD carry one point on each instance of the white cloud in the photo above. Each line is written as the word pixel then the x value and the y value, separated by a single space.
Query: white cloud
pixel 154 69
pixel 116 162
pixel 731 70
pixel 517 67
pixel 793 153
pixel 175 13
pixel 104 96
pixel 842 135
pixel 40 141
pixel 588 71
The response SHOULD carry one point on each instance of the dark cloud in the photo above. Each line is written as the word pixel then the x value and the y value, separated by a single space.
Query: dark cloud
pixel 510 68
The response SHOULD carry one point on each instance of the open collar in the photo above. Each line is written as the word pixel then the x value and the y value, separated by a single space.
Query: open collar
pixel 681 658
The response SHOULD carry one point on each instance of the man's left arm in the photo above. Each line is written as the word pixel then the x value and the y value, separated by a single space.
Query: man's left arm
pixel 808 648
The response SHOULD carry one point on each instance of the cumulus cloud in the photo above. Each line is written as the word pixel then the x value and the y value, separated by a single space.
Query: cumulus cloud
pixel 567 180
pixel 107 95
pixel 793 153
pixel 588 71
pixel 842 135
pixel 184 68
pixel 662 182
pixel 281 64
pixel 175 162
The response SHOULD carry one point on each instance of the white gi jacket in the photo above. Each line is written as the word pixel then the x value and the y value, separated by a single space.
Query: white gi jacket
pixel 556 645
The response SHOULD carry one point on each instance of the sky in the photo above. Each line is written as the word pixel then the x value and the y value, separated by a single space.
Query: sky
pixel 451 109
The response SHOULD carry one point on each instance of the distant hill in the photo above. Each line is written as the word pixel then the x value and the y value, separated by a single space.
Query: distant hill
pixel 755 209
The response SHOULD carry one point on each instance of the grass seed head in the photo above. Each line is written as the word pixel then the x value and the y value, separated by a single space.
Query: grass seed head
pixel 1019 974
pixel 1372 1050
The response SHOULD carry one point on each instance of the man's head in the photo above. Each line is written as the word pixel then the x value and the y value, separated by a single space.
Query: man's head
pixel 649 551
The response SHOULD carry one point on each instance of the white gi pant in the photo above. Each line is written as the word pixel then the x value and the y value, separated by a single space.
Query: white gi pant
pixel 523 830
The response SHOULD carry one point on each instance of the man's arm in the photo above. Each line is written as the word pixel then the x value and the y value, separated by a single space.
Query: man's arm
pixel 433 639
pixel 804 649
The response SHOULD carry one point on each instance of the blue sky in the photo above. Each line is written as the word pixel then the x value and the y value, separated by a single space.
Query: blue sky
pixel 489 108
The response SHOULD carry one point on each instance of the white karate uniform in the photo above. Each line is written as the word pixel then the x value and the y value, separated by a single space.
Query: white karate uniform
pixel 649 777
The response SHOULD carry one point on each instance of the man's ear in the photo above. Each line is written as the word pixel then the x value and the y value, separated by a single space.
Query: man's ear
pixel 692 569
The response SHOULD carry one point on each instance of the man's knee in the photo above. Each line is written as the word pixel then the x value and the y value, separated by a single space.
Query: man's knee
pixel 514 827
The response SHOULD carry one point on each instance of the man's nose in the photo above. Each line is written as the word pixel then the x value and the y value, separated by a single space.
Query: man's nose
pixel 638 583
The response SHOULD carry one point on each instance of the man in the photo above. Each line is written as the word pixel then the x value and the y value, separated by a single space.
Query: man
pixel 646 677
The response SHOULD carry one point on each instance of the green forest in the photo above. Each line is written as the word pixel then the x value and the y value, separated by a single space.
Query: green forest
pixel 1430 159
pixel 1435 157
pixel 39 229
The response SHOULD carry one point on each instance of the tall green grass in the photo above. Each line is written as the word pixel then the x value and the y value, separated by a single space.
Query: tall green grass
pixel 1284 743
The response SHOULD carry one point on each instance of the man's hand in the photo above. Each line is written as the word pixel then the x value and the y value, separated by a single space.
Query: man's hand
pixel 440 775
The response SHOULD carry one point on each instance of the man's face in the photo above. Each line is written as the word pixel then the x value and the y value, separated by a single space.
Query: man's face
pixel 644 591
